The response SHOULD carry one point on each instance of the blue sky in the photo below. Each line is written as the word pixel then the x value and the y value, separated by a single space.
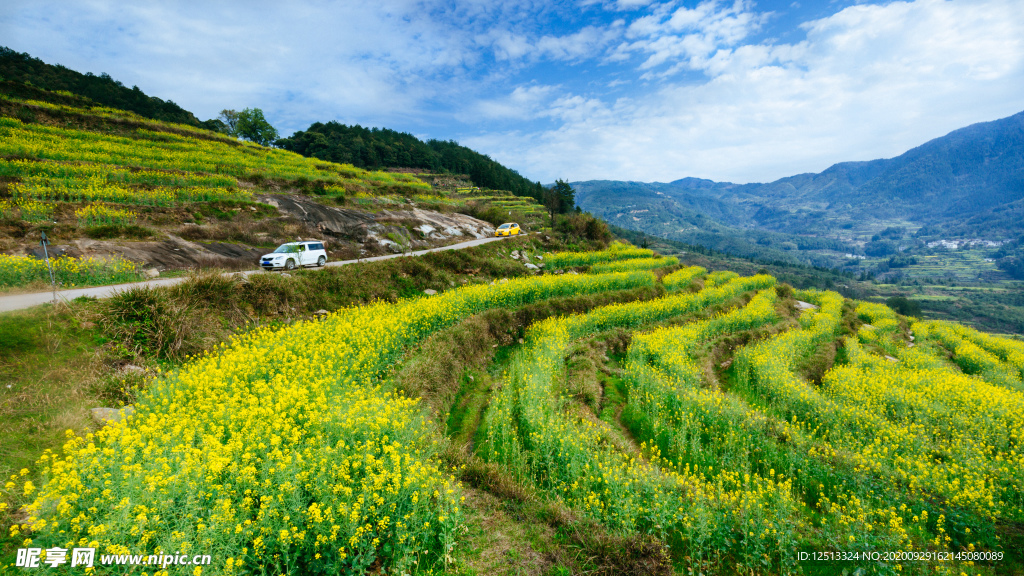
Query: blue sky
pixel 587 89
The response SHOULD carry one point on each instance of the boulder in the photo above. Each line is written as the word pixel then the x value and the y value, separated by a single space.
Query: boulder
pixel 430 292
pixel 151 273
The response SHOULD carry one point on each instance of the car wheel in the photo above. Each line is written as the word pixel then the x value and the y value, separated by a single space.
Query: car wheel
pixel 289 265
pixel 322 261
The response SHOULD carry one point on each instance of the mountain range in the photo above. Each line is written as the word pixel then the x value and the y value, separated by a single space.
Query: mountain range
pixel 968 183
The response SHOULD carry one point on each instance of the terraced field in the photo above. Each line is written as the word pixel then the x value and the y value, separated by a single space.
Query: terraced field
pixel 625 416
pixel 84 174
pixel 527 212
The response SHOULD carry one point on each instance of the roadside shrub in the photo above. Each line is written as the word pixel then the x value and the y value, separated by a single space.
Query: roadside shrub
pixel 269 293
pixel 584 226
pixel 144 321
pixel 903 305
pixel 493 214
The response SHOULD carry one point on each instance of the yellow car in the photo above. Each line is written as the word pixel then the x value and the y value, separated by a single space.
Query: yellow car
pixel 507 229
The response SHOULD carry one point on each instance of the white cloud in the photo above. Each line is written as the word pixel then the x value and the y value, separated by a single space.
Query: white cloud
pixel 687 38
pixel 625 89
pixel 509 46
pixel 299 62
pixel 589 41
pixel 523 103
pixel 523 48
pixel 870 81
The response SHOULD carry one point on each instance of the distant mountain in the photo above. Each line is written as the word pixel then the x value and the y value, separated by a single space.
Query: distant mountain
pixel 972 175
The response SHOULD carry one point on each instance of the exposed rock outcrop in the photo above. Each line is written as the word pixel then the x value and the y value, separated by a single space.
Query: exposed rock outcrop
pixel 393 230
pixel 354 231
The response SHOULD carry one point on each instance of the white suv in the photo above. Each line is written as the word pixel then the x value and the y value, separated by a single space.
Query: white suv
pixel 293 254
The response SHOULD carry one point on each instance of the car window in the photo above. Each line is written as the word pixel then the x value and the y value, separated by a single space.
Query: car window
pixel 503 226
pixel 286 249
pixel 316 246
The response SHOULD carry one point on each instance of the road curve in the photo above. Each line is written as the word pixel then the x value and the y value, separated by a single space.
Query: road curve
pixel 21 301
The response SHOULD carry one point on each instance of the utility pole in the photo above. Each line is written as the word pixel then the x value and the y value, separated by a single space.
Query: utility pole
pixel 46 256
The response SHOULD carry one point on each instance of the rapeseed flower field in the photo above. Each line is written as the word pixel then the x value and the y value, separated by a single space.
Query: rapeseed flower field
pixel 282 450
pixel 683 278
pixel 617 252
pixel 155 168
pixel 288 450
pixel 67 270
pixel 634 264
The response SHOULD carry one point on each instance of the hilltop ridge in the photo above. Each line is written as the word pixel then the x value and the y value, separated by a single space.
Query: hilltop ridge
pixel 22 74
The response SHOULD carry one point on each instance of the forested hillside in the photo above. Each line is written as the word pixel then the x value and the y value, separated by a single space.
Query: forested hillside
pixel 20 68
pixel 376 148
pixel 28 78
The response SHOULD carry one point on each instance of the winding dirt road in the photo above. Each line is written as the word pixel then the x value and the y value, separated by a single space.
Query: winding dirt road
pixel 21 301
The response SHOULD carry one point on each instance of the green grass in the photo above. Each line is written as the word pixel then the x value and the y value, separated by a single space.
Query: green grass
pixel 52 372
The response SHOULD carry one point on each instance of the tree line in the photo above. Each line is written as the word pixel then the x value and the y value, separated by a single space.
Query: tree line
pixel 102 89
pixel 379 148
pixel 371 148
